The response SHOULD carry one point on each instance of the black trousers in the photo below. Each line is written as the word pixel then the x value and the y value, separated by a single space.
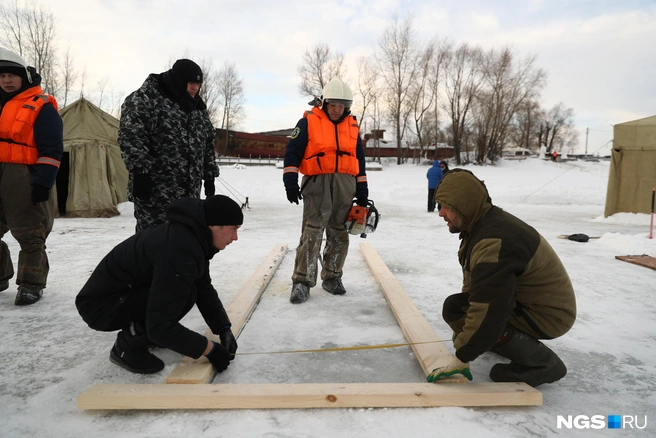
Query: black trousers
pixel 431 199
pixel 115 312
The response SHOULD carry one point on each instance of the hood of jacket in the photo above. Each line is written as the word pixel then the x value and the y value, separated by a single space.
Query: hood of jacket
pixel 190 213
pixel 465 195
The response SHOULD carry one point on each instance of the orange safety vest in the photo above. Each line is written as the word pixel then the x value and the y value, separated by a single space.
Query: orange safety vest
pixel 17 127
pixel 330 148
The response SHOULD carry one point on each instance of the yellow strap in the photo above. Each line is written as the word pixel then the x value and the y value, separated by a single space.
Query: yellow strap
pixel 324 350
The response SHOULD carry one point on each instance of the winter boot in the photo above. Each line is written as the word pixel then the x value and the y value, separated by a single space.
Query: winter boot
pixel 334 286
pixel 131 352
pixel 532 362
pixel 28 294
pixel 300 293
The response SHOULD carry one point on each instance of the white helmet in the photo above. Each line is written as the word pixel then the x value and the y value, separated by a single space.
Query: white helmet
pixel 336 91
pixel 11 59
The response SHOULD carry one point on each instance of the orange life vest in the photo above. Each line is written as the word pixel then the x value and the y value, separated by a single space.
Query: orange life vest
pixel 330 148
pixel 17 127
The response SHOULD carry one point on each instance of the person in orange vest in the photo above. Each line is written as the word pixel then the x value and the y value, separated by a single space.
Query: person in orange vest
pixel 554 156
pixel 31 148
pixel 325 147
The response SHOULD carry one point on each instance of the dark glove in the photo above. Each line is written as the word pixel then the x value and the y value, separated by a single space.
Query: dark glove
pixel 142 186
pixel 39 193
pixel 361 194
pixel 229 342
pixel 210 190
pixel 219 357
pixel 293 194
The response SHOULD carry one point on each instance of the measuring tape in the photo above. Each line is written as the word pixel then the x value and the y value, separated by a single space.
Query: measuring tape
pixel 325 350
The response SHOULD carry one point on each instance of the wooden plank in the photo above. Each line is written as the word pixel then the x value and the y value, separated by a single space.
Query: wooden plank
pixel 640 260
pixel 415 327
pixel 288 396
pixel 196 371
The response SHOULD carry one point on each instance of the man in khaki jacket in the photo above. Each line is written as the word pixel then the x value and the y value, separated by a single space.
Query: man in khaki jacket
pixel 515 288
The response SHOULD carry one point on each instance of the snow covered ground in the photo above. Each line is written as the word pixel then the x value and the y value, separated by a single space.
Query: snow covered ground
pixel 48 356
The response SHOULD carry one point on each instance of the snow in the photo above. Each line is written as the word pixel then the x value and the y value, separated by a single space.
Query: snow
pixel 48 356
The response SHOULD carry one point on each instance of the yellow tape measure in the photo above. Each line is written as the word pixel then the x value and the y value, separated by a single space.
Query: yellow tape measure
pixel 325 350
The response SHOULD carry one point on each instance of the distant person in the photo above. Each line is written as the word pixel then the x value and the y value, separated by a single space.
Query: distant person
pixel 326 148
pixel 444 166
pixel 434 176
pixel 31 149
pixel 148 283
pixel 515 288
pixel 554 156
pixel 167 142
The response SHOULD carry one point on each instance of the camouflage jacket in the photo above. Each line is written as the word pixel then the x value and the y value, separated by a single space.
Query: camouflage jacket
pixel 174 147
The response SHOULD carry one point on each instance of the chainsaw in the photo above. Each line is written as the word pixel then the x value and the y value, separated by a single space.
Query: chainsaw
pixel 362 220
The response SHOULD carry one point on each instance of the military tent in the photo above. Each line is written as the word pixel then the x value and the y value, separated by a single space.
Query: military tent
pixel 92 178
pixel 632 168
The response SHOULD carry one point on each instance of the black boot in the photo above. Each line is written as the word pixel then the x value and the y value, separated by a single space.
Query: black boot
pixel 531 361
pixel 130 351
pixel 300 293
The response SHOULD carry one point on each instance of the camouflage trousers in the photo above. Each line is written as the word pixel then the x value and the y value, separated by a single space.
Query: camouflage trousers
pixel 29 224
pixel 327 200
pixel 149 214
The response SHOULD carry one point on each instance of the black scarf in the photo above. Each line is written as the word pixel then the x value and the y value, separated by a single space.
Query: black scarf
pixel 178 93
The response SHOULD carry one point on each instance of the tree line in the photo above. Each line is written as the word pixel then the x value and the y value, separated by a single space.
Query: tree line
pixel 30 30
pixel 479 101
pixel 426 92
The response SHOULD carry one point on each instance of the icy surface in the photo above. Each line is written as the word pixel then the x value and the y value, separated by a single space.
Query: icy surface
pixel 48 356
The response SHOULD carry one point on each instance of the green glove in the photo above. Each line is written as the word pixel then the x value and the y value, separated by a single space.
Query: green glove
pixel 454 367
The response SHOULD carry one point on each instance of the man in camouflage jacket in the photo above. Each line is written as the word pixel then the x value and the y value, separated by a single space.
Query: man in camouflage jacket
pixel 515 288
pixel 167 142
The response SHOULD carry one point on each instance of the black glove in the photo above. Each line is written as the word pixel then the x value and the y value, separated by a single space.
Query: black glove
pixel 142 186
pixel 219 356
pixel 229 342
pixel 39 193
pixel 210 190
pixel 293 194
pixel 361 194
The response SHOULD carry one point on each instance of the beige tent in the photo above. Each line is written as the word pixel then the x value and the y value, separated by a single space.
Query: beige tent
pixel 92 179
pixel 633 167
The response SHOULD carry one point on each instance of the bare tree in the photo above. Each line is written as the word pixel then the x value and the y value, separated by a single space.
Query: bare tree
pixel 210 91
pixel 69 75
pixel 366 85
pixel 507 84
pixel 441 49
pixel 556 128
pixel 421 96
pixel 319 65
pixel 101 86
pixel 463 79
pixel 30 31
pixel 397 57
pixel 231 92
pixel 523 132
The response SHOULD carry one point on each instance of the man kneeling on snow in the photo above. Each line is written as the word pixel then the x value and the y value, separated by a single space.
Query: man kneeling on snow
pixel 515 288
pixel 149 282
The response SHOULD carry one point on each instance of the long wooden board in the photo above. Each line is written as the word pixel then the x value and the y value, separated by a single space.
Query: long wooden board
pixel 431 351
pixel 640 260
pixel 196 371
pixel 312 395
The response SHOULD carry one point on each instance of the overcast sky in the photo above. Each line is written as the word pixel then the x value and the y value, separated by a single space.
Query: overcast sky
pixel 598 54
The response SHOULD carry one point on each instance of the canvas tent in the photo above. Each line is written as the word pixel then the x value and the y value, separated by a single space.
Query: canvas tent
pixel 632 168
pixel 92 179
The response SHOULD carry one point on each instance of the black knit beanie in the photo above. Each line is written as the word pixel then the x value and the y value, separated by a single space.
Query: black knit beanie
pixel 221 210
pixel 186 70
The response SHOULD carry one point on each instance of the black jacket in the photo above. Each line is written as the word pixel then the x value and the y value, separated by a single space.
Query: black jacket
pixel 172 262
